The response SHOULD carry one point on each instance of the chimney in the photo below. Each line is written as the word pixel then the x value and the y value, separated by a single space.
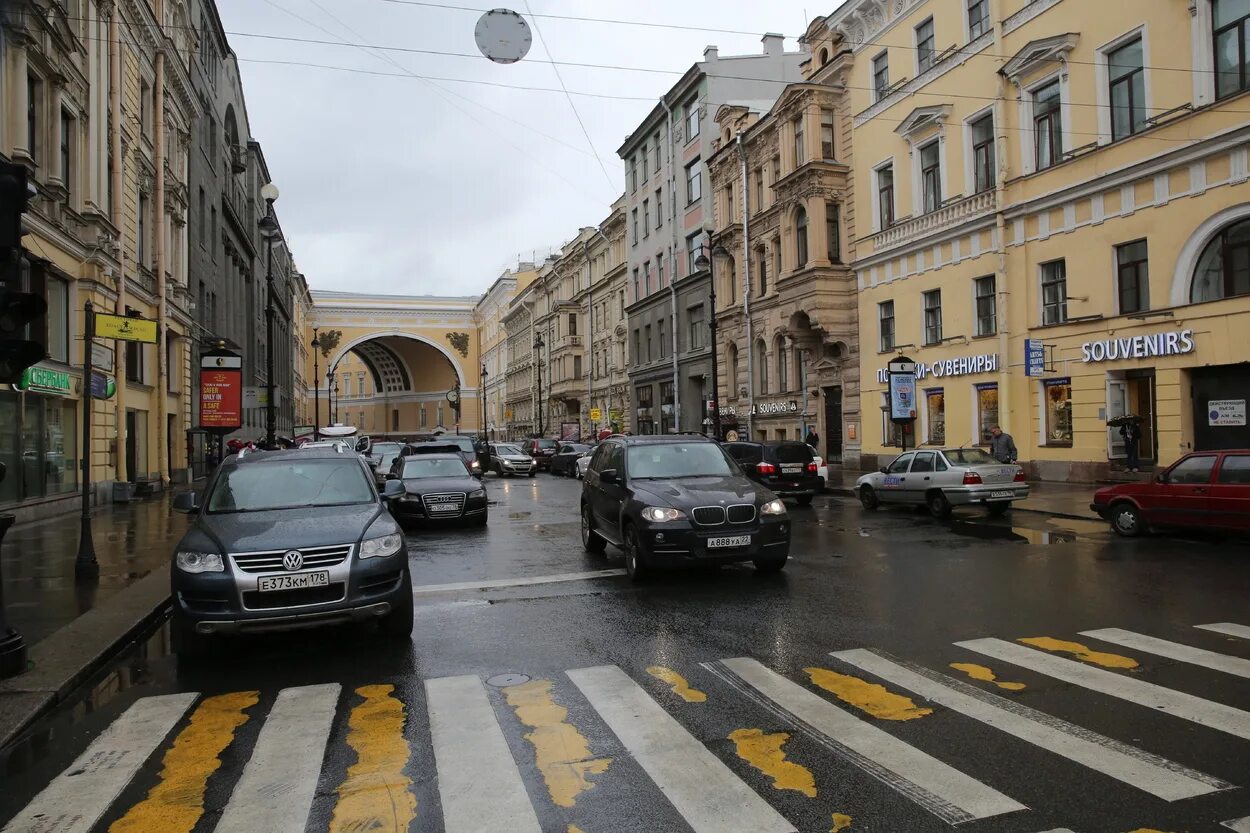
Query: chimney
pixel 711 53
pixel 774 44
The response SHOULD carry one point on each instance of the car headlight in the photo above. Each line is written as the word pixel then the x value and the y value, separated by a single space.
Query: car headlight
pixel 381 547
pixel 662 514
pixel 199 562
pixel 773 507
pixel 478 493
pixel 475 465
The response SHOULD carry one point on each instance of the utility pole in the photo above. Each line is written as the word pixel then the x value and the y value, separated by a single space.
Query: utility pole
pixel 269 229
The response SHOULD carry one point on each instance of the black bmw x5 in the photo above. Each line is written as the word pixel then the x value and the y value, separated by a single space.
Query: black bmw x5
pixel 667 501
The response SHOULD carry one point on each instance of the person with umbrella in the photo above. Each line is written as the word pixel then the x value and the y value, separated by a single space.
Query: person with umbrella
pixel 1130 430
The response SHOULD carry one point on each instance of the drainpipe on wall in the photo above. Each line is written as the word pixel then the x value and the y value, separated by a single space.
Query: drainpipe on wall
pixel 158 232
pixel 119 183
pixel 1001 287
pixel 672 270
pixel 746 290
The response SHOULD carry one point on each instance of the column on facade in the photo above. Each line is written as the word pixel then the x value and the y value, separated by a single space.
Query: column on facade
pixel 63 102
pixel 19 96
pixel 817 232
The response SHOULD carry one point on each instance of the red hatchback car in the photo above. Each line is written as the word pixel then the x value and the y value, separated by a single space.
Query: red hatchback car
pixel 1203 490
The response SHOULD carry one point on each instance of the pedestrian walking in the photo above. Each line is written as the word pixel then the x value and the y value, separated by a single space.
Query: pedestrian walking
pixel 812 438
pixel 1002 446
pixel 1131 432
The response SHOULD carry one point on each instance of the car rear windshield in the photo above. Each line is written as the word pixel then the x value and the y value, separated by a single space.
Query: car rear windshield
pixel 290 484
pixel 464 443
pixel 669 460
pixel 969 457
pixel 384 448
pixel 544 443
pixel 791 453
pixel 419 468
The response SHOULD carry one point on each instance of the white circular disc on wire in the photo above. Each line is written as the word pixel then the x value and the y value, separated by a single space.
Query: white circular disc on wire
pixel 503 36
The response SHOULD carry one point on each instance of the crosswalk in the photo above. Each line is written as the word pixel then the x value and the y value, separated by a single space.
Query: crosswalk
pixel 483 762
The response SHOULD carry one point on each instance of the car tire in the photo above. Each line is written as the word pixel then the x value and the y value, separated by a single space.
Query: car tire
pixel 397 624
pixel 591 541
pixel 635 561
pixel 1126 520
pixel 533 473
pixel 998 508
pixel 767 566
pixel 939 506
pixel 868 498
pixel 805 500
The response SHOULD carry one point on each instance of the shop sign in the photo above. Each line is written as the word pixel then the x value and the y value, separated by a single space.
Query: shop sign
pixel 125 328
pixel 596 414
pixel 45 380
pixel 1175 343
pixel 256 396
pixel 1034 357
pixel 965 366
pixel 102 357
pixel 773 408
pixel 1226 412
pixel 614 414
pixel 102 387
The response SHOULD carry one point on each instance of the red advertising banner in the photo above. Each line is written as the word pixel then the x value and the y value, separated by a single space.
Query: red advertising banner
pixel 221 398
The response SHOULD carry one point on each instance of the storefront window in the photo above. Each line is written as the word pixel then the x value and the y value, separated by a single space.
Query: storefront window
pixel 987 410
pixel 1057 395
pixel 645 422
pixel 666 408
pixel 58 320
pixel 38 445
pixel 935 411
pixel 891 431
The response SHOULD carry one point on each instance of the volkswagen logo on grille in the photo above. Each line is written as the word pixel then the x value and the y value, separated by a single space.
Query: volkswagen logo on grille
pixel 293 560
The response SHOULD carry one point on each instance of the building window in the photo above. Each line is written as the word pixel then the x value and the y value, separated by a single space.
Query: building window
pixel 931 176
pixel 666 408
pixel 145 108
pixel 777 256
pixel 692 118
pixel 67 150
pixel 935 413
pixel 694 182
pixel 692 252
pixel 637 348
pixel 826 134
pixel 659 270
pixel 833 231
pixel 634 217
pixel 646 218
pixel 1224 267
pixel 732 273
pixel 761 367
pixel 729 213
pixel 212 240
pixel 761 266
pixel 637 289
pixel 646 163
pixel 800 237
pixel 759 188
pixel 1057 400
pixel 173 371
pixel 34 103
pixel 1128 89
pixel 1047 126
pixel 662 341
pixel 633 173
pixel 987 305
pixel 1132 277
pixel 572 324
pixel 987 410
pixel 885 315
pixel 646 336
pixel 141 234
pixel 881 74
pixel 978 18
pixel 926 51
pixel 134 362
pixel 885 196
pixel 933 316
pixel 696 327
pixel 659 209
pixel 1054 292
pixel 58 320
pixel 984 175
pixel 800 153
pixel 1232 46
pixel 646 278
pixel 776 169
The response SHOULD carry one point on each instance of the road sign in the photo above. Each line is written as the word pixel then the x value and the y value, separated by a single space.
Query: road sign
pixel 125 328
pixel 102 387
pixel 255 396
pixel 596 414
pixel 102 357
pixel 1034 357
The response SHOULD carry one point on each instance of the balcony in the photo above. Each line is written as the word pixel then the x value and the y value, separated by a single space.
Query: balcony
pixel 951 214
pixel 566 343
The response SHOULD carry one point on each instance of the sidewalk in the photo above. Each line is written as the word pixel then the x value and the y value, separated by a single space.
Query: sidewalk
pixel 1063 500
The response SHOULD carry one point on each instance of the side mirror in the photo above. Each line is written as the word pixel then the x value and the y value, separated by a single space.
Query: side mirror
pixel 609 476
pixel 393 488
pixel 390 475
pixel 885 469
pixel 1162 477
pixel 188 503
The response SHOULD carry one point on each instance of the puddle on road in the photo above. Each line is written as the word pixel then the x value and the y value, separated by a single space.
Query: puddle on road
pixel 1019 534
pixel 516 516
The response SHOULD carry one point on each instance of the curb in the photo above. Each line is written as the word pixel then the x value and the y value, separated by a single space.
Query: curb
pixel 68 658
pixel 845 491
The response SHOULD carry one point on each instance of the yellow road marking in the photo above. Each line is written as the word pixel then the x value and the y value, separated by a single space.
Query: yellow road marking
pixel 563 754
pixel 680 687
pixel 869 697
pixel 375 796
pixel 841 821
pixel 573 828
pixel 765 754
pixel 980 672
pixel 1146 830
pixel 1081 652
pixel 176 803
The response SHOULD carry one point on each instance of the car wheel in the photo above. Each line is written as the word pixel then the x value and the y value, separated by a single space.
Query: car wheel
pixel 999 507
pixel 766 566
pixel 533 473
pixel 635 562
pixel 1126 519
pixel 398 623
pixel 939 506
pixel 868 498
pixel 591 541
pixel 805 500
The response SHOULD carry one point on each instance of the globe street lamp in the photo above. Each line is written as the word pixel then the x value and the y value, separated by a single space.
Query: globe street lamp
pixel 702 262
pixel 316 346
pixel 270 231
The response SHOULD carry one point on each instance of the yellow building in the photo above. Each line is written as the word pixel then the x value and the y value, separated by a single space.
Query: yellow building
pixel 1061 180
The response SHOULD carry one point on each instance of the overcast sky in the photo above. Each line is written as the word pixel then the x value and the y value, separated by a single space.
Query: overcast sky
pixel 398 185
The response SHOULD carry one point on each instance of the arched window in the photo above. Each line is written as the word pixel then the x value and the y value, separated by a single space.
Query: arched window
pixel 731 383
pixel 824 57
pixel 760 359
pixel 733 281
pixel 1224 269
pixel 800 237
pixel 783 369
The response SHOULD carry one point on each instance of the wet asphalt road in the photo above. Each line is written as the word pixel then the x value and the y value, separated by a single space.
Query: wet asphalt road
pixel 894 581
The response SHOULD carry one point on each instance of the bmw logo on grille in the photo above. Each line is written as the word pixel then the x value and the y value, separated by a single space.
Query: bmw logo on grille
pixel 293 560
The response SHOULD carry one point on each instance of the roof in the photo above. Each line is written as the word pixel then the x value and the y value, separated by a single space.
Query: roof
pixel 314 453
pixel 660 439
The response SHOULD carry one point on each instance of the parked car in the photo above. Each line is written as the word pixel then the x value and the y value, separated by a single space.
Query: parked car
pixel 822 468
pixel 673 500
pixel 541 450
pixel 436 488
pixel 941 478
pixel 288 539
pixel 1203 490
pixel 380 457
pixel 787 467
pixel 442 444
pixel 507 459
pixel 581 464
pixel 562 462
pixel 336 445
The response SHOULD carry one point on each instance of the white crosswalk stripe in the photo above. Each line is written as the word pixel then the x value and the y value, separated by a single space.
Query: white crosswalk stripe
pixel 79 796
pixel 1239 825
pixel 1173 650
pixel 275 791
pixel 1196 709
pixel 478 781
pixel 1158 776
pixel 705 791
pixel 1228 629
pixel 943 790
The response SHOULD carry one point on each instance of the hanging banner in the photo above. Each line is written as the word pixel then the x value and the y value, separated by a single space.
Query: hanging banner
pixel 221 391
pixel 125 328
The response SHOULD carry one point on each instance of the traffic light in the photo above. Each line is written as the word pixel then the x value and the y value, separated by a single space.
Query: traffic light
pixel 15 193
pixel 17 309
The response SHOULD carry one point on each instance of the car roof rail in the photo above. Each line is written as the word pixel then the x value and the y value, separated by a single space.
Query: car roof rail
pixel 243 452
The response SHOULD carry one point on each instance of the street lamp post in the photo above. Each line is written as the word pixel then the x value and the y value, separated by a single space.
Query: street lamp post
pixel 538 347
pixel 316 346
pixel 703 262
pixel 269 230
pixel 481 406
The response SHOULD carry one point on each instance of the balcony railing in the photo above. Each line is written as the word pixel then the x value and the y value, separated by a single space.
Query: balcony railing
pixel 947 216
pixel 565 342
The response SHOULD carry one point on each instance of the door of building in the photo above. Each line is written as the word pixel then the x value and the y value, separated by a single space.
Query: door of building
pixel 1220 396
pixel 132 446
pixel 833 425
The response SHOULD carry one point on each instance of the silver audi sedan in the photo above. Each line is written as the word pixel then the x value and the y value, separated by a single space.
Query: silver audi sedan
pixel 943 478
